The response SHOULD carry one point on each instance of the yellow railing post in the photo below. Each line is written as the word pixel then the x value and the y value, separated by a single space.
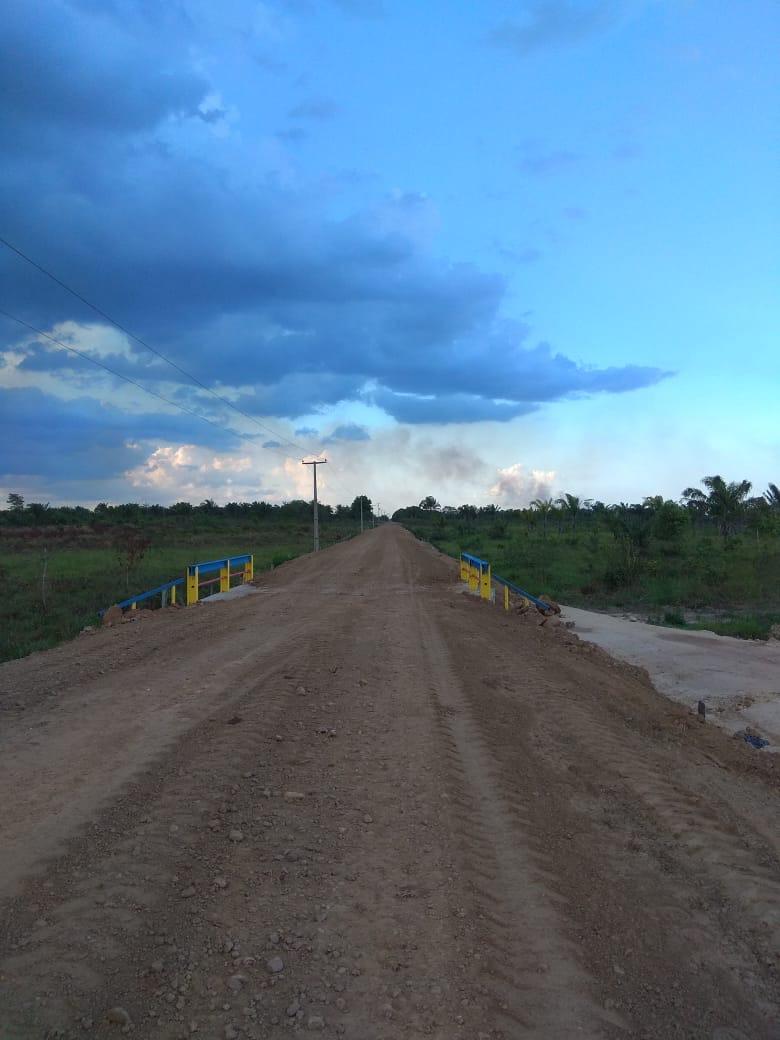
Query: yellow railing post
pixel 473 577
pixel 173 595
pixel 484 582
pixel 192 585
pixel 224 577
pixel 506 597
pixel 464 569
pixel 249 570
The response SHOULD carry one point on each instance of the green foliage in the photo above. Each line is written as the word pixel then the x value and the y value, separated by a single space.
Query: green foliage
pixel 654 556
pixel 88 558
pixel 746 626
pixel 725 502
pixel 674 617
pixel 669 521
pixel 741 626
pixel 368 508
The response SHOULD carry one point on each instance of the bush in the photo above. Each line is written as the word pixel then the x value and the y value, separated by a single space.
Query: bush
pixel 674 617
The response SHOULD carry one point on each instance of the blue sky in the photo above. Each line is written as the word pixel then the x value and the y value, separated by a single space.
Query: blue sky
pixel 485 251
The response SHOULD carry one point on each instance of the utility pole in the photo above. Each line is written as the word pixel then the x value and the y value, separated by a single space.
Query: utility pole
pixel 314 464
pixel 361 514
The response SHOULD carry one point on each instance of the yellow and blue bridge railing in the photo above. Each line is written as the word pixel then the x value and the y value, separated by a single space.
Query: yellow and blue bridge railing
pixel 478 574
pixel 195 579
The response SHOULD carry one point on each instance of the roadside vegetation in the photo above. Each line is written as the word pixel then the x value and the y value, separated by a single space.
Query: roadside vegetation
pixel 710 560
pixel 60 566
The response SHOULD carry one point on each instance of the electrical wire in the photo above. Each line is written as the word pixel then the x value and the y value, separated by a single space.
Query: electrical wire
pixel 113 371
pixel 148 346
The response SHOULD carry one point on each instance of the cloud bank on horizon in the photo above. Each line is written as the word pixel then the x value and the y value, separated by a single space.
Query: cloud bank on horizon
pixel 153 161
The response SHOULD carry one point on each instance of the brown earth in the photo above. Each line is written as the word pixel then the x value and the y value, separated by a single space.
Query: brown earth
pixel 433 818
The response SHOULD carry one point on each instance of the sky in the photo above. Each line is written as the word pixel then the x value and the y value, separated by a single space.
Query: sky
pixel 489 252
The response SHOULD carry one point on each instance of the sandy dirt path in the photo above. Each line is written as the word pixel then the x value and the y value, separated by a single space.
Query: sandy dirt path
pixel 362 804
pixel 738 679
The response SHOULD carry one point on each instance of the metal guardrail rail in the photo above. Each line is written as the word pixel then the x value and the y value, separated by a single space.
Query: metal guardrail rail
pixel 540 603
pixel 193 581
pixel 478 574
pixel 160 590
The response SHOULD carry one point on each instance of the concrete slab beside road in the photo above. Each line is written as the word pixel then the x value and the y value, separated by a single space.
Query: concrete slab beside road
pixel 738 679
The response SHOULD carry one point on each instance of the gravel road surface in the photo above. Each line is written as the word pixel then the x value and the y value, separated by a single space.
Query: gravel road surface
pixel 363 804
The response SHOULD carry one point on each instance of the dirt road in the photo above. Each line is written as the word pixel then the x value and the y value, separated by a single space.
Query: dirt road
pixel 362 804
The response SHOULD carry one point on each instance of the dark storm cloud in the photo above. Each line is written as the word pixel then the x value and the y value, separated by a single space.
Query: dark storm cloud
pixel 241 280
pixel 555 23
pixel 45 436
pixel 447 408
pixel 95 79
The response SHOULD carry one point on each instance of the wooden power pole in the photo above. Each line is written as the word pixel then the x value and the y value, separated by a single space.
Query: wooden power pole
pixel 314 464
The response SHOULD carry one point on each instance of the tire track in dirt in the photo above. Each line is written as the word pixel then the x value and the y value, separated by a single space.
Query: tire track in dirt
pixel 571 806
pixel 710 838
pixel 537 983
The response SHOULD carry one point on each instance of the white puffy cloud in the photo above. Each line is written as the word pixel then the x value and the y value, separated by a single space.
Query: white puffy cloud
pixel 515 486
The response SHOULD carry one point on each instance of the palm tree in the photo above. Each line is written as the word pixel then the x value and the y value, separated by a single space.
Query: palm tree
pixel 772 496
pixel 544 507
pixel 725 503
pixel 652 503
pixel 570 505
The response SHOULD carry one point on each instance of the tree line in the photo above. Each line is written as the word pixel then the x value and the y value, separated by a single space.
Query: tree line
pixel 726 506
pixel 19 513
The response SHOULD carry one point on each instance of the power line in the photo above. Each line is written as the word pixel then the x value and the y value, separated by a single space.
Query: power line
pixel 145 345
pixel 112 371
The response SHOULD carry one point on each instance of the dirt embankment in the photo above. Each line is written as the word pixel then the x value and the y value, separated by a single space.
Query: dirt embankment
pixel 361 805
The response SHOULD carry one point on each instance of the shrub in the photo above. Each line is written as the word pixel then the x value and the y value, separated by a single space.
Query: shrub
pixel 674 617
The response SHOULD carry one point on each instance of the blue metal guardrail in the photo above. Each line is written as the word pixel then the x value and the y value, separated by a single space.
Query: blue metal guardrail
pixel 540 603
pixel 192 581
pixel 477 572
pixel 131 601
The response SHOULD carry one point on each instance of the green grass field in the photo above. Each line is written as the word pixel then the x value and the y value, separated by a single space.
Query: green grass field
pixel 732 587
pixel 83 578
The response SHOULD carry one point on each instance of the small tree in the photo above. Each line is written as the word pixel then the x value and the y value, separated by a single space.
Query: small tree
pixel 130 546
pixel 368 508
pixel 669 521
pixel 725 503
pixel 545 507
pixel 15 502
pixel 429 503
pixel 467 512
